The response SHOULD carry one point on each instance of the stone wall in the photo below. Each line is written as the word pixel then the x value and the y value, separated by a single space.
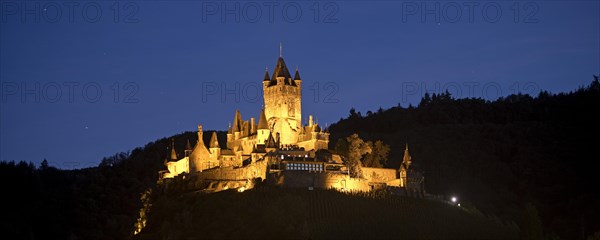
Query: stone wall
pixel 325 180
pixel 251 171
pixel 383 175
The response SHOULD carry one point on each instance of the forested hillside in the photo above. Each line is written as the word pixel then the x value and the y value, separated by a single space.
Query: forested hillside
pixel 501 154
pixel 42 202
pixel 510 158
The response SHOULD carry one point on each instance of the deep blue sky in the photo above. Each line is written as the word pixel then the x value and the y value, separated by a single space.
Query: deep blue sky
pixel 365 55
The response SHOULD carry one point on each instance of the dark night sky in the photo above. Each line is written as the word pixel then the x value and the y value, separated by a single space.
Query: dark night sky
pixel 364 55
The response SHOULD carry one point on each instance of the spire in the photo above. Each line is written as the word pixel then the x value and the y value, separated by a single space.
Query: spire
pixel 407 159
pixel 267 78
pixel 281 70
pixel 214 143
pixel 200 133
pixel 173 153
pixel 262 121
pixel 236 121
pixel 297 75
pixel 188 149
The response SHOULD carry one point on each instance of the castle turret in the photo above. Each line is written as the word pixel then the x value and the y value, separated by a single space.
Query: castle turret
pixel 188 149
pixel 407 159
pixel 215 149
pixel 263 129
pixel 229 133
pixel 266 79
pixel 214 143
pixel 200 154
pixel 173 153
pixel 297 79
pixel 237 121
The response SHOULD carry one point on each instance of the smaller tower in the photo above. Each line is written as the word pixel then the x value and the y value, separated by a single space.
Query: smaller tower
pixel 266 79
pixel 263 128
pixel 188 149
pixel 237 121
pixel 173 153
pixel 407 159
pixel 200 140
pixel 229 134
pixel 215 150
pixel 297 79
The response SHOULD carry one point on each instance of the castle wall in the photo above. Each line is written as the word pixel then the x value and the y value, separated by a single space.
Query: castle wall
pixel 313 144
pixel 325 180
pixel 384 175
pixel 251 171
pixel 178 167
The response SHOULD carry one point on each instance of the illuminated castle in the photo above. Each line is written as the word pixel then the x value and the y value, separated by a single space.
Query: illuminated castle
pixel 278 147
pixel 279 125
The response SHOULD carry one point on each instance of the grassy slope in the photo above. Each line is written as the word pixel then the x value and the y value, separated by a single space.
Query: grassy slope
pixel 271 213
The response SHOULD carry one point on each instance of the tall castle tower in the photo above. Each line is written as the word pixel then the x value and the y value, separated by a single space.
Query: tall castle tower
pixel 283 106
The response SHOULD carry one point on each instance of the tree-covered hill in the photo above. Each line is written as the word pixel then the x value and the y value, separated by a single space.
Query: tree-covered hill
pixel 42 202
pixel 501 154
pixel 510 158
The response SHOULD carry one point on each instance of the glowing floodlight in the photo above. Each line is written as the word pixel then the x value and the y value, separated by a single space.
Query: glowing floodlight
pixel 453 199
pixel 242 189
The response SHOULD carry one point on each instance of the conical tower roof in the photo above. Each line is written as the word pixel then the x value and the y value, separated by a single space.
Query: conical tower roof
pixel 281 69
pixel 267 75
pixel 237 121
pixel 297 75
pixel 262 121
pixel 214 143
pixel 173 153
pixel 407 159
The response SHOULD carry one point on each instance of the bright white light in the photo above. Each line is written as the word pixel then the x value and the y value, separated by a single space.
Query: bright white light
pixel 242 189
pixel 453 199
pixel 459 204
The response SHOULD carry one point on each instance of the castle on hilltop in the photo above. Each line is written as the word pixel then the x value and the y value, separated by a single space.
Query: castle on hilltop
pixel 279 148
